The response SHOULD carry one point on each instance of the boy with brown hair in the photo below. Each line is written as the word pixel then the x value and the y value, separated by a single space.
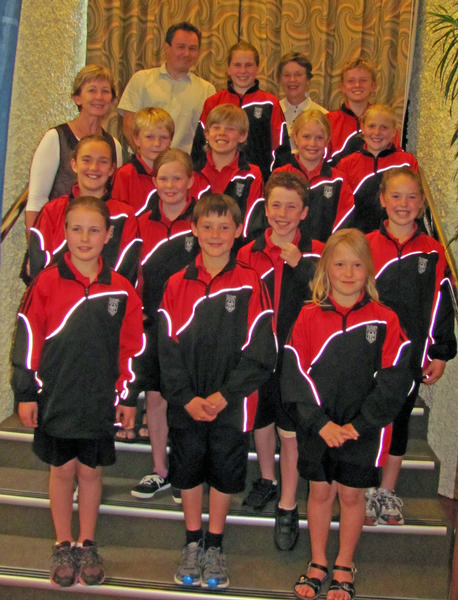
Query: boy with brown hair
pixel 216 346
pixel 284 258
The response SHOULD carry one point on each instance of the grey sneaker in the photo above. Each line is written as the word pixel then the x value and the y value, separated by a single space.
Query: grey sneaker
pixel 64 569
pixel 188 572
pixel 390 508
pixel 91 570
pixel 372 507
pixel 214 570
pixel 150 485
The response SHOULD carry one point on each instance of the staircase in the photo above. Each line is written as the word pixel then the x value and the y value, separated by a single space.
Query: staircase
pixel 140 541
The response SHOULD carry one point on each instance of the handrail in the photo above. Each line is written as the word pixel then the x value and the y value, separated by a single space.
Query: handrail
pixel 14 213
pixel 439 231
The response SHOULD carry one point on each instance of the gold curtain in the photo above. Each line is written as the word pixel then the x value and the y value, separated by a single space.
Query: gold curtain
pixel 128 35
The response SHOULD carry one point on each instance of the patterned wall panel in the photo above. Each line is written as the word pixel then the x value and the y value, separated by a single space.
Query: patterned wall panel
pixel 128 35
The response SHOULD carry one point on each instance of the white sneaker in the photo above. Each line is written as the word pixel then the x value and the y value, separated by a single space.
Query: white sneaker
pixel 372 507
pixel 390 508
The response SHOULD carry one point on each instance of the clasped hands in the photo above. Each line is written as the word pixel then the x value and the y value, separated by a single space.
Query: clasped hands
pixel 336 435
pixel 206 409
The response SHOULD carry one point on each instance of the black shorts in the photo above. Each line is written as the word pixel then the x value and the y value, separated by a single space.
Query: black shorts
pixel 208 453
pixel 400 435
pixel 58 451
pixel 270 407
pixel 332 468
pixel 146 366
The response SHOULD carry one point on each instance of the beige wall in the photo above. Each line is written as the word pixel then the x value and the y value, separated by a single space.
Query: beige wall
pixel 430 133
pixel 51 49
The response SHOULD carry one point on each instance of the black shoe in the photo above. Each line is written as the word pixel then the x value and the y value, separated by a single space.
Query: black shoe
pixel 286 529
pixel 262 492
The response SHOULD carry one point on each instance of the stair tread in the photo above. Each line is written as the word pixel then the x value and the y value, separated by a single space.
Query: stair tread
pixel 268 574
pixel 116 492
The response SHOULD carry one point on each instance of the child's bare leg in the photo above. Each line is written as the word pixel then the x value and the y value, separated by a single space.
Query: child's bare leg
pixel 192 507
pixel 391 472
pixel 156 417
pixel 218 509
pixel 89 495
pixel 61 482
pixel 265 447
pixel 352 511
pixel 319 512
pixel 288 470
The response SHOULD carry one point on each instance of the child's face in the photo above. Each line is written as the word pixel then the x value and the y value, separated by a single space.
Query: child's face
pixel 284 211
pixel 402 200
pixel 86 235
pixel 311 142
pixel 347 275
pixel 216 235
pixel 172 183
pixel 95 97
pixel 224 138
pixel 294 82
pixel 378 131
pixel 243 70
pixel 150 141
pixel 93 166
pixel 358 85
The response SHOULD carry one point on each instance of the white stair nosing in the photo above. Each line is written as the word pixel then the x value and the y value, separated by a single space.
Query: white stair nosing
pixel 252 520
pixel 121 591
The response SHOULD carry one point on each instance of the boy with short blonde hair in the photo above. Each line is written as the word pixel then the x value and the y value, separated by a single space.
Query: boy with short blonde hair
pixel 153 131
pixel 224 168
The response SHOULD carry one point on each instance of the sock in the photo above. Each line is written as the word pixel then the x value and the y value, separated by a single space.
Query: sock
pixel 194 536
pixel 285 511
pixel 213 540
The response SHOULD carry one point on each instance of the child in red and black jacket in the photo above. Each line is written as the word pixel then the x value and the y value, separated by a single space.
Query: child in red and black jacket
pixel 78 330
pixel 216 346
pixel 268 142
pixel 357 84
pixel 94 163
pixel 331 204
pixel 224 169
pixel 168 246
pixel 284 258
pixel 153 130
pixel 412 279
pixel 364 169
pixel 345 373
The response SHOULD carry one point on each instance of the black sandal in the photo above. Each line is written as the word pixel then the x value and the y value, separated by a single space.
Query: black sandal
pixel 344 586
pixel 314 583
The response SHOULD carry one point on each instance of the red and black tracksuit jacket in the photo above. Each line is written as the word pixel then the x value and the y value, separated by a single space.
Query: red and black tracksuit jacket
pixel 412 279
pixel 73 349
pixel 133 183
pixel 215 334
pixel 363 171
pixel 243 182
pixel 331 203
pixel 268 144
pixel 346 366
pixel 47 236
pixel 168 246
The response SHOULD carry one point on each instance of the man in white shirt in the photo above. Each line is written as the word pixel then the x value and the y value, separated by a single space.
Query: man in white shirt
pixel 294 74
pixel 171 86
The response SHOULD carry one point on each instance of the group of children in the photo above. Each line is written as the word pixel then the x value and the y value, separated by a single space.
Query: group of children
pixel 260 311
